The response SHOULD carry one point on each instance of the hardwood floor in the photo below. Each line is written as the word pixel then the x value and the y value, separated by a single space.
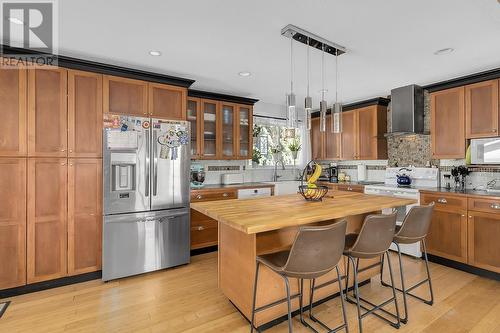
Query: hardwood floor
pixel 186 299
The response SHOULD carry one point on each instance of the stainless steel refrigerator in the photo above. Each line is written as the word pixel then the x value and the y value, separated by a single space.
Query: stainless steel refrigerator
pixel 146 195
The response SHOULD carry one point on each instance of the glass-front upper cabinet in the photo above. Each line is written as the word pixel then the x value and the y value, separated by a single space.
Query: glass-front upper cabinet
pixel 228 130
pixel 245 131
pixel 193 116
pixel 209 128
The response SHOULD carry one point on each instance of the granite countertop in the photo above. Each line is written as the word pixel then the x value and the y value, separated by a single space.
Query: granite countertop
pixel 466 192
pixel 232 186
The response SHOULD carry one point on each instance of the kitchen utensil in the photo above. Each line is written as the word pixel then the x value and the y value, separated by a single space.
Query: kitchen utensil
pixel 197 175
pixel 403 179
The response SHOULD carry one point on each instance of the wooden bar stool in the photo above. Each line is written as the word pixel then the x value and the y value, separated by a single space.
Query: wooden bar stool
pixel 316 251
pixel 373 240
pixel 413 230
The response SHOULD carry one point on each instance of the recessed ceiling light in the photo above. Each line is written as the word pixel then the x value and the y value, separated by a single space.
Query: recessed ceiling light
pixel 444 51
pixel 155 53
pixel 16 20
pixel 244 74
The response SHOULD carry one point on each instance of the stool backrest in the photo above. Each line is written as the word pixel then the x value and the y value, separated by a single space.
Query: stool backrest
pixel 316 250
pixel 376 235
pixel 416 223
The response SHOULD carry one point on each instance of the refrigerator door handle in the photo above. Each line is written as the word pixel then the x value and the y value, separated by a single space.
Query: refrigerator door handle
pixel 155 165
pixel 147 162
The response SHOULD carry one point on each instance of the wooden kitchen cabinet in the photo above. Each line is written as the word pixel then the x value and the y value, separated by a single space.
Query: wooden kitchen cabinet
pixel 349 135
pixel 47 112
pixel 317 146
pixel 371 127
pixel 448 123
pixel 325 145
pixel 481 109
pixel 331 142
pixel 204 230
pixel 125 96
pixel 47 219
pixel 84 114
pixel 84 215
pixel 12 222
pixel 447 235
pixel 362 136
pixel 244 130
pixel 167 102
pixel 209 129
pixel 194 117
pixel 13 98
pixel 227 130
pixel 483 244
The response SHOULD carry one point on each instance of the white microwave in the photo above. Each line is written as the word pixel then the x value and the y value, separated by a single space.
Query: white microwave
pixel 485 151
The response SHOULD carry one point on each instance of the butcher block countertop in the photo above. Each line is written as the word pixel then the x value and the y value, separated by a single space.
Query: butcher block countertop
pixel 258 215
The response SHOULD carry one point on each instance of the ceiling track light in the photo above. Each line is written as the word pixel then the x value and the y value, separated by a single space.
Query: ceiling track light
pixel 311 40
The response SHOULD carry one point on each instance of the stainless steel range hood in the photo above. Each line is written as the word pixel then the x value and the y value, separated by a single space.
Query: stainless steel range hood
pixel 407 110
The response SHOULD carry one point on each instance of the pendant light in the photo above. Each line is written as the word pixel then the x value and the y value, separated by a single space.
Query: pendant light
pixel 322 104
pixel 291 117
pixel 337 107
pixel 308 99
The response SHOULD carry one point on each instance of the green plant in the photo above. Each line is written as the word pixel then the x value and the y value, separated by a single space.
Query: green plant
pixel 295 145
pixel 256 130
pixel 276 149
pixel 256 156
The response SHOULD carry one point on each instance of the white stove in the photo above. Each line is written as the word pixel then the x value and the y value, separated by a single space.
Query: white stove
pixel 421 178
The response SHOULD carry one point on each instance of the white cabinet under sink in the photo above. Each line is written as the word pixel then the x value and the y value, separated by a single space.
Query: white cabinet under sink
pixel 286 187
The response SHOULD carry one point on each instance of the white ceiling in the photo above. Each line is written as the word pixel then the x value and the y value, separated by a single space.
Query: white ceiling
pixel 390 42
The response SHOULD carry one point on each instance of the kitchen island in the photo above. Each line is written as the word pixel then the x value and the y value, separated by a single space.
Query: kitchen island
pixel 248 228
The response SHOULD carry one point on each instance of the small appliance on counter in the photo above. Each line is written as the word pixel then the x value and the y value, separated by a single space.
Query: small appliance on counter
pixel 197 175
pixel 232 178
pixel 485 151
pixel 329 174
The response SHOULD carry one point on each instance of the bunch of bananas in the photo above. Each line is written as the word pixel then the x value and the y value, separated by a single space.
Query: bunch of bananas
pixel 311 182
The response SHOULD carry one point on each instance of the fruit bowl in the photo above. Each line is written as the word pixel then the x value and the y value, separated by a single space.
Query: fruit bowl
pixel 313 193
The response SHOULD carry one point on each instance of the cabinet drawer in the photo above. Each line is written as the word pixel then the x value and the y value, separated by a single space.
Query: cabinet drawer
pixel 203 237
pixel 445 201
pixel 213 195
pixel 484 205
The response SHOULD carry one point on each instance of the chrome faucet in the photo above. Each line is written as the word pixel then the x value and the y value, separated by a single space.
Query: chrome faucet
pixel 275 174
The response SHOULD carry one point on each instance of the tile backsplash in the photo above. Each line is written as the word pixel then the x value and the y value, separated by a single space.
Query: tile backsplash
pixel 215 168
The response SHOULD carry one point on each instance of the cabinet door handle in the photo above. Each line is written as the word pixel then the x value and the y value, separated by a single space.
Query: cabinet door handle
pixel 494 130
pixel 199 196
pixel 71 150
pixel 225 194
pixel 495 206
pixel 63 150
pixel 349 188
pixel 442 200
pixel 200 228
pixel 463 215
pixel 63 164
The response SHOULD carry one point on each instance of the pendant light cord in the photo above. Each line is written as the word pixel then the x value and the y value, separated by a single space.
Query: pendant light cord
pixel 291 65
pixel 308 66
pixel 323 72
pixel 336 75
